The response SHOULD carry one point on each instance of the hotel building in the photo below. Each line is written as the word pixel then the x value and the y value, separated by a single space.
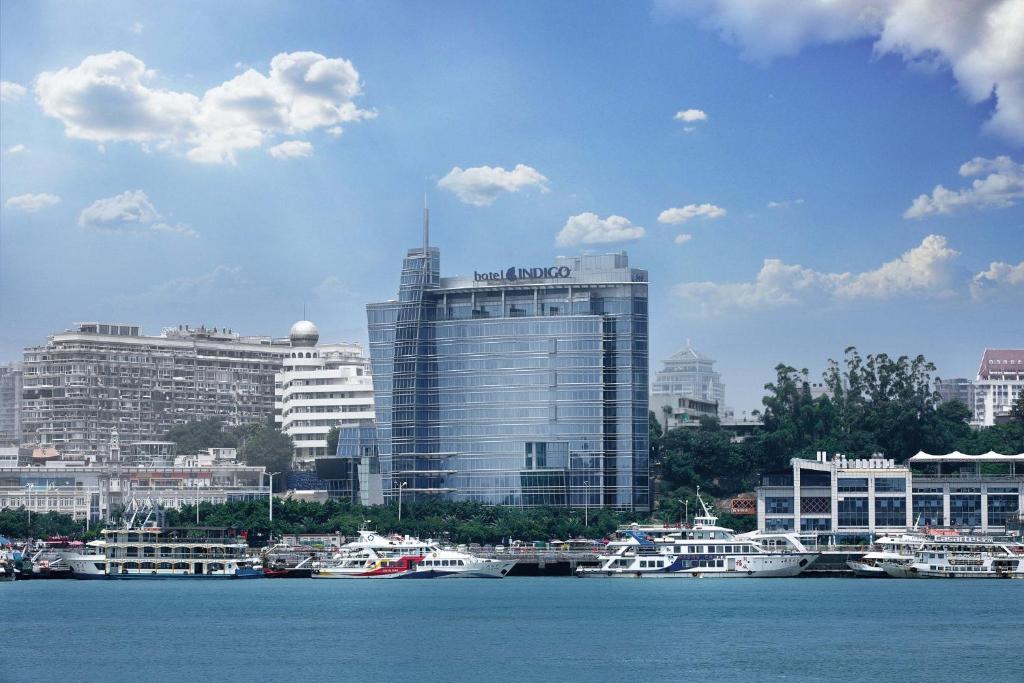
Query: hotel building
pixel 999 384
pixel 522 386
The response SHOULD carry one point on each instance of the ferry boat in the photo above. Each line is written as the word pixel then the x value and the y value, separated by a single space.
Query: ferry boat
pixel 167 553
pixel 698 551
pixel 962 557
pixel 376 556
pixel 87 563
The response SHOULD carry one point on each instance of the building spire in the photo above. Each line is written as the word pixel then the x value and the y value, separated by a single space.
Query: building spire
pixel 426 224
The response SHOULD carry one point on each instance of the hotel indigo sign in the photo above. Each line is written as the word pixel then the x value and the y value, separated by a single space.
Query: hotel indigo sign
pixel 513 274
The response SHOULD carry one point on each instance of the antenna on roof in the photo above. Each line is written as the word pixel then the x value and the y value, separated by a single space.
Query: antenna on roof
pixel 426 224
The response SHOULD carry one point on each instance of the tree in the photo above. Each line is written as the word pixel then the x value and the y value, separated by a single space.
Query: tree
pixel 194 437
pixel 269 448
pixel 1017 412
pixel 332 440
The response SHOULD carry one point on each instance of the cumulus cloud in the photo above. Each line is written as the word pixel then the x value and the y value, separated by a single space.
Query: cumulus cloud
pixel 222 282
pixel 1000 275
pixel 784 203
pixel 690 115
pixel 683 238
pixel 11 92
pixel 291 149
pixel 589 228
pixel 685 213
pixel 331 288
pixel 980 42
pixel 17 149
pixel 31 203
pixel 481 185
pixel 130 212
pixel 110 97
pixel 925 271
pixel 1001 186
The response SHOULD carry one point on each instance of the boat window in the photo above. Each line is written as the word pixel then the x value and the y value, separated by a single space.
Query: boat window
pixel 462 563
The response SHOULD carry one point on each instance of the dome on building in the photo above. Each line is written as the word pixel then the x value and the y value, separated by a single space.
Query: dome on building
pixel 304 333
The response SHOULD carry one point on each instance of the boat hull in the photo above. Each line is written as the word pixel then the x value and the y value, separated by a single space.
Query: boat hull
pixel 868 571
pixel 489 570
pixel 778 568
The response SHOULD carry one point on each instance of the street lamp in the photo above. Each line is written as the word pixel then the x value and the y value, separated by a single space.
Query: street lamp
pixel 402 486
pixel 270 493
pixel 680 516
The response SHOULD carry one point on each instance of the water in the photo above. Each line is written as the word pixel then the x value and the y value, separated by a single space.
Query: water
pixel 518 629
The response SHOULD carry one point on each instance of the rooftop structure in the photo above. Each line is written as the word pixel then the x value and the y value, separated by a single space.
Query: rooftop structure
pixel 84 384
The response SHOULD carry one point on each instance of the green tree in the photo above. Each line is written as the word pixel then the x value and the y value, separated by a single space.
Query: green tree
pixel 332 440
pixel 197 436
pixel 268 447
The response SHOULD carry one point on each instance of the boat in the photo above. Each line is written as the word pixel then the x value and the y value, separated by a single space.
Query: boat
pixel 962 557
pixel 701 550
pixel 378 556
pixel 893 549
pixel 87 563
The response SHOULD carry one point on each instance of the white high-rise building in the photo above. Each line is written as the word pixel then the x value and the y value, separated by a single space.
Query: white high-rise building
pixel 320 387
pixel 1000 383
pixel 691 374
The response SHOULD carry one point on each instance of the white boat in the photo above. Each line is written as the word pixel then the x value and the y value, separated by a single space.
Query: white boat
pixel 167 553
pixel 892 549
pixel 703 550
pixel 88 563
pixel 962 557
pixel 378 556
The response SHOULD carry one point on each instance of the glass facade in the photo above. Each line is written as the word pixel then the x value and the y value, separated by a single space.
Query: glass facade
pixel 891 511
pixel 927 509
pixel 853 512
pixel 522 387
pixel 964 511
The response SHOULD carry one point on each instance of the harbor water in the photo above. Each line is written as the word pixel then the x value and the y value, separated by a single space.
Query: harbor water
pixel 514 630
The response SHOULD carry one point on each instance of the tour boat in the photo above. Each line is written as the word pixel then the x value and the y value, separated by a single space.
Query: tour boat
pixel 887 549
pixel 442 563
pixel 701 550
pixel 962 557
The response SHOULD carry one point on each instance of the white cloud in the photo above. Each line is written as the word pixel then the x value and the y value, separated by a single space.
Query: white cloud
pixel 130 212
pixel 222 282
pixel 980 41
pixel 481 185
pixel 588 228
pixel 331 288
pixel 925 270
pixel 11 92
pixel 31 203
pixel 291 149
pixel 17 149
pixel 999 275
pixel 685 213
pixel 1002 187
pixel 137 28
pixel 784 203
pixel 108 97
pixel 335 131
pixel 691 115
pixel 683 238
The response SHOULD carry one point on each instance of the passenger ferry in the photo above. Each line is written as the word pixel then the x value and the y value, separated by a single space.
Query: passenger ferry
pixel 701 550
pixel 962 557
pixel 167 553
pixel 375 556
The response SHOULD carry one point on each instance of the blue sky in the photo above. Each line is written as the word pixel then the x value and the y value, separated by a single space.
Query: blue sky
pixel 816 128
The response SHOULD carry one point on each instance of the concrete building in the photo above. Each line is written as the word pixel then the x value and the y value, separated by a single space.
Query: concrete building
pixel 999 384
pixel 521 386
pixel 86 383
pixel 91 491
pixel 674 411
pixel 689 373
pixel 857 498
pixel 320 387
pixel 958 389
pixel 10 403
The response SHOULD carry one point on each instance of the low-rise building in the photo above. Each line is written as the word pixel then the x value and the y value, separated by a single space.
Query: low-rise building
pixel 858 498
pixel 674 411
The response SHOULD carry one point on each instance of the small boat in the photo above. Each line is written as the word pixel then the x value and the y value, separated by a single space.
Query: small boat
pixel 892 549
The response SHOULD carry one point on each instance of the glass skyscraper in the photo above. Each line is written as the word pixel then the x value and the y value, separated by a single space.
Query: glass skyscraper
pixel 525 386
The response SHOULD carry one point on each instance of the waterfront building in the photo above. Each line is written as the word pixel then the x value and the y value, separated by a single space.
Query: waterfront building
pixel 520 386
pixel 999 384
pixel 689 373
pixel 86 383
pixel 856 498
pixel 353 474
pixel 958 389
pixel 10 403
pixel 320 387
pixel 89 491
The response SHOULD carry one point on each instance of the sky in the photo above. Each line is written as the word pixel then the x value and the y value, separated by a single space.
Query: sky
pixel 797 176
